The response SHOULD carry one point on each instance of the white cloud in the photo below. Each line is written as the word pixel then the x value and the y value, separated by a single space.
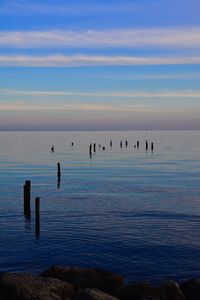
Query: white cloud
pixel 111 94
pixel 28 106
pixel 184 37
pixel 91 60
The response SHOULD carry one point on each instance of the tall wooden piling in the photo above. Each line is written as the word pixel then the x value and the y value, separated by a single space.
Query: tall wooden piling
pixel 138 144
pixel 59 171
pixel 37 217
pixel 27 199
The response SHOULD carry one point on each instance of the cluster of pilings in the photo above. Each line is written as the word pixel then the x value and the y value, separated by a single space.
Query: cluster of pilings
pixel 27 207
pixel 122 144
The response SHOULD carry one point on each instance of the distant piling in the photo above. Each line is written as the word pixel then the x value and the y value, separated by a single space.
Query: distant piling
pixel 90 150
pixel 121 144
pixel 94 147
pixel 27 199
pixel 152 147
pixel 138 144
pixel 147 146
pixel 52 148
pixel 111 143
pixel 126 144
pixel 37 217
pixel 104 148
pixel 72 144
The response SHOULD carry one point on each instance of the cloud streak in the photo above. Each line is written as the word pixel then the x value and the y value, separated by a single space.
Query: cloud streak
pixel 91 60
pixel 184 37
pixel 112 94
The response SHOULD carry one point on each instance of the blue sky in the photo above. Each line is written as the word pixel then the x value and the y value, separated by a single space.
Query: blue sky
pixel 99 65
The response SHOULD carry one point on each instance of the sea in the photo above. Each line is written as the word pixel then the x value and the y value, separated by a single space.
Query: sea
pixel 129 210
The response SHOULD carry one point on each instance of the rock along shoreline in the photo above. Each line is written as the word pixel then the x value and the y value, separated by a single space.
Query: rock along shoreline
pixel 74 283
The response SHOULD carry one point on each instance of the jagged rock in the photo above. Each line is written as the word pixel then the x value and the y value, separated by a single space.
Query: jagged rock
pixel 139 291
pixel 191 289
pixel 15 286
pixel 170 290
pixel 94 294
pixel 86 278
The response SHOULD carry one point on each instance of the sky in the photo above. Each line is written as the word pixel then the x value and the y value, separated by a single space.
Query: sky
pixel 99 65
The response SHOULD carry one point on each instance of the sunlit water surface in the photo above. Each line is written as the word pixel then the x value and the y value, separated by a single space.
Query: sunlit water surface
pixel 127 210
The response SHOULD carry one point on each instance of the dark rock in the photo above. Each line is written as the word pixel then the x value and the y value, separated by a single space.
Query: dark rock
pixel 94 294
pixel 139 291
pixel 15 286
pixel 191 289
pixel 170 290
pixel 86 278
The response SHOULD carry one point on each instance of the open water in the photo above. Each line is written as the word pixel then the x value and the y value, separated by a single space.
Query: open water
pixel 128 210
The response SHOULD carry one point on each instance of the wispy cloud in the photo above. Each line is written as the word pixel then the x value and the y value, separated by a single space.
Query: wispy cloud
pixel 90 60
pixel 185 37
pixel 114 94
pixel 20 106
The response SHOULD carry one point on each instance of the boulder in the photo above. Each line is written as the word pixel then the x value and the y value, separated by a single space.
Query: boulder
pixel 139 291
pixel 14 286
pixel 94 294
pixel 170 290
pixel 191 289
pixel 86 278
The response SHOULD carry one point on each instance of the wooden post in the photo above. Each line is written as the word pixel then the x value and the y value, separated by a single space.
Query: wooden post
pixel 110 143
pixel 59 172
pixel 90 150
pixel 27 199
pixel 138 144
pixel 152 147
pixel 37 217
pixel 147 145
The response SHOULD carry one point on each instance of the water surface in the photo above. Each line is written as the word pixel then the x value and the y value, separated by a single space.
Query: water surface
pixel 127 210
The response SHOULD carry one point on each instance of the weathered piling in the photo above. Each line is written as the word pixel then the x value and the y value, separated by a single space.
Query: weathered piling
pixel 126 144
pixel 138 144
pixel 147 146
pixel 104 148
pixel 37 217
pixel 52 148
pixel 152 147
pixel 94 147
pixel 90 150
pixel 59 171
pixel 27 199
pixel 121 144
pixel 111 143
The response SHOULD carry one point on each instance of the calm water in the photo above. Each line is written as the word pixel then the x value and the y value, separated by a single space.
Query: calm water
pixel 131 211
